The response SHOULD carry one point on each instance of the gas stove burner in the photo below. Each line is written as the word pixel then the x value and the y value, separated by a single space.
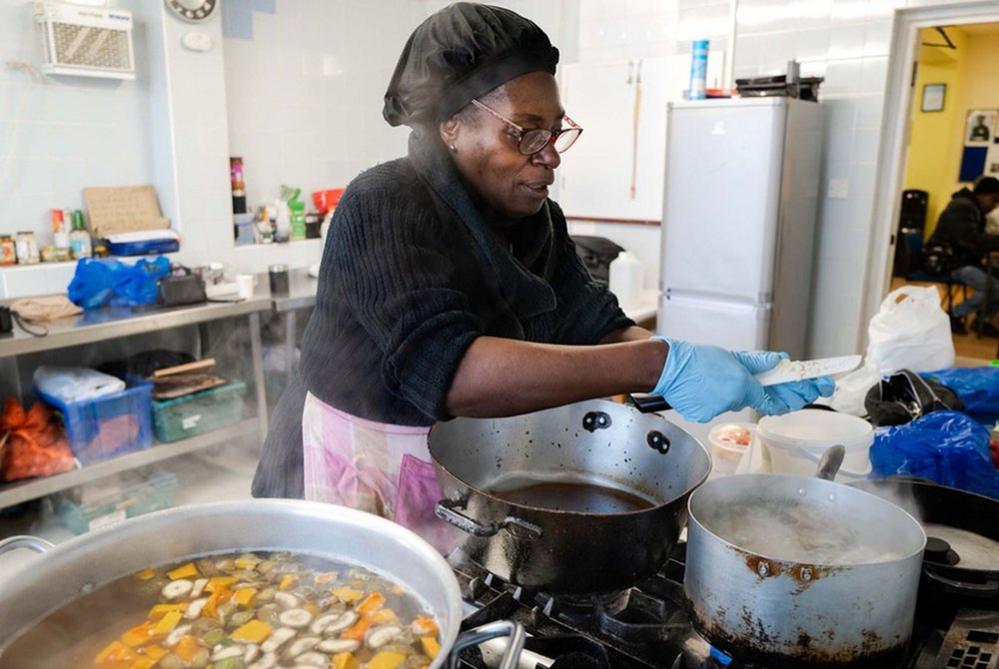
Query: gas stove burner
pixel 939 551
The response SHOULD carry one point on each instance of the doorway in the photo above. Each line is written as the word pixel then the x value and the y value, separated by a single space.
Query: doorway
pixel 940 124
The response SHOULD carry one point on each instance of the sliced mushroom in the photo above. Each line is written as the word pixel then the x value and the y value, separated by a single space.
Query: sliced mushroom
pixel 313 659
pixel 268 661
pixel 231 651
pixel 379 636
pixel 177 589
pixel 297 618
pixel 305 644
pixel 251 652
pixel 343 622
pixel 277 639
pixel 338 646
pixel 199 587
pixel 322 622
pixel 286 600
pixel 194 608
pixel 173 638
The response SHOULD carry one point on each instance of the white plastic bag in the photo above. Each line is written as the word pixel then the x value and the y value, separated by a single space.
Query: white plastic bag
pixel 910 331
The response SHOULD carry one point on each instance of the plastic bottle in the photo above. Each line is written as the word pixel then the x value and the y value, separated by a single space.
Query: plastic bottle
pixel 79 238
pixel 698 70
pixel 297 215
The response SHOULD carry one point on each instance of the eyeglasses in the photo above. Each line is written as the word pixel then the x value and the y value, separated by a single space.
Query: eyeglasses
pixel 535 140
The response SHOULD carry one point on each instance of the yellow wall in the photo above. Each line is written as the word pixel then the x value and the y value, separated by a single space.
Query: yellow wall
pixel 934 136
pixel 936 139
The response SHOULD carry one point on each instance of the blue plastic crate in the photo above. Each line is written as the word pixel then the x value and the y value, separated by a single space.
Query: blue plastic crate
pixel 107 426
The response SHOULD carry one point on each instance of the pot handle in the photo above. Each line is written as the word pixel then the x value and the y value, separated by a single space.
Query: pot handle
pixel 649 403
pixel 25 541
pixel 489 631
pixel 447 510
pixel 978 590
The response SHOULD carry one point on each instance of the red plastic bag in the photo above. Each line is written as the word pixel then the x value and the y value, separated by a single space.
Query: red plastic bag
pixel 31 443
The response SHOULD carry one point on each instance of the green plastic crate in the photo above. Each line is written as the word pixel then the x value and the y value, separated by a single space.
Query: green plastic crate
pixel 196 414
pixel 133 496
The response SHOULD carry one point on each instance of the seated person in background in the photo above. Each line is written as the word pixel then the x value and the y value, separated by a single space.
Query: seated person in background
pixel 961 227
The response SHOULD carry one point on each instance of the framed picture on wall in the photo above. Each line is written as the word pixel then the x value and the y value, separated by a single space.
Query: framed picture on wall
pixel 981 126
pixel 933 97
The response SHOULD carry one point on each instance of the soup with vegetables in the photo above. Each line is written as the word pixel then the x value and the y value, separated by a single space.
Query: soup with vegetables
pixel 246 611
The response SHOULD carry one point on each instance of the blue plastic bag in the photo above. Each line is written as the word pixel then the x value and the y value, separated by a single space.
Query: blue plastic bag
pixel 978 388
pixel 948 447
pixel 93 284
pixel 137 285
pixel 97 283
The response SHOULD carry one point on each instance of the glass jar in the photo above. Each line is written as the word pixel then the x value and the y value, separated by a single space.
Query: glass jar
pixel 27 248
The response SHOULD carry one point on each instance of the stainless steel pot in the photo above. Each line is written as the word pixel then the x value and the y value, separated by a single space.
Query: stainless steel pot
pixel 568 551
pixel 84 563
pixel 764 608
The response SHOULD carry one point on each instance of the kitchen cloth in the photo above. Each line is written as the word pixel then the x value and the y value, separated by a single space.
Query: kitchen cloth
pixel 74 384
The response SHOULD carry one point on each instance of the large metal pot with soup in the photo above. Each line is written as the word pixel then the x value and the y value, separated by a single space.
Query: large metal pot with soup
pixel 243 585
pixel 792 571
pixel 586 498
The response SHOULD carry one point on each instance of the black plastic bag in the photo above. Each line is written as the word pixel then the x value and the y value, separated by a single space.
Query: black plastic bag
pixel 906 396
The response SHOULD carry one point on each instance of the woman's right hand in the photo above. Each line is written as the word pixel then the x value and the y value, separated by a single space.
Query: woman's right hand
pixel 701 382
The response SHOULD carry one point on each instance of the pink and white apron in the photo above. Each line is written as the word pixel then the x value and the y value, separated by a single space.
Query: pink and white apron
pixel 376 467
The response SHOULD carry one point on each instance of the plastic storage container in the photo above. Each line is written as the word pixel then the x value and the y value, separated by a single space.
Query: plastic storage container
pixel 107 426
pixel 133 497
pixel 796 441
pixel 198 413
pixel 727 447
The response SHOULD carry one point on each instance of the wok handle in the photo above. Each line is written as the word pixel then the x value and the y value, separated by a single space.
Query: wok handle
pixel 649 403
pixel 489 631
pixel 447 510
pixel 978 590
pixel 24 541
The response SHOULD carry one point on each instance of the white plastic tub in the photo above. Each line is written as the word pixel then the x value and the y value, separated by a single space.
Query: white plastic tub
pixel 726 449
pixel 796 441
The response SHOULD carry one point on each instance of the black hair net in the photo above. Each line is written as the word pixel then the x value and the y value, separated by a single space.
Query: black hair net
pixel 459 53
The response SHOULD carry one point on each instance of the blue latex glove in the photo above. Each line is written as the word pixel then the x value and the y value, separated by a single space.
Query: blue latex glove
pixel 701 382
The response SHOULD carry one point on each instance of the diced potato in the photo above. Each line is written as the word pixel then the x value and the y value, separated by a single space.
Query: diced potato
pixel 167 623
pixel 373 602
pixel 288 581
pixel 344 661
pixel 187 648
pixel 115 655
pixel 145 574
pixel 220 583
pixel 161 610
pixel 186 571
pixel 386 660
pixel 245 596
pixel 323 578
pixel 430 646
pixel 246 563
pixel 255 631
pixel 347 595
pixel 383 617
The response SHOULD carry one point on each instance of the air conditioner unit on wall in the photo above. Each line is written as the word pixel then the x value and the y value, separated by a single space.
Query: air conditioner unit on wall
pixel 86 41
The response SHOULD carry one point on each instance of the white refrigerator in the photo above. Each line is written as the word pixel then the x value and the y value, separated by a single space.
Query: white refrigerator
pixel 739 219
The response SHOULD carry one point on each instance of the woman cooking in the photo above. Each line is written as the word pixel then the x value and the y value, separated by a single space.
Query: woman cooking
pixel 450 287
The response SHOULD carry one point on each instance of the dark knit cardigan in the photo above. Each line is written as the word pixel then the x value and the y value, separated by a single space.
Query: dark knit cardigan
pixel 412 272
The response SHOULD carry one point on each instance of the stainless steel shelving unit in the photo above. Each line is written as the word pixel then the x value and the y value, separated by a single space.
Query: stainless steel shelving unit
pixel 23 491
pixel 106 324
